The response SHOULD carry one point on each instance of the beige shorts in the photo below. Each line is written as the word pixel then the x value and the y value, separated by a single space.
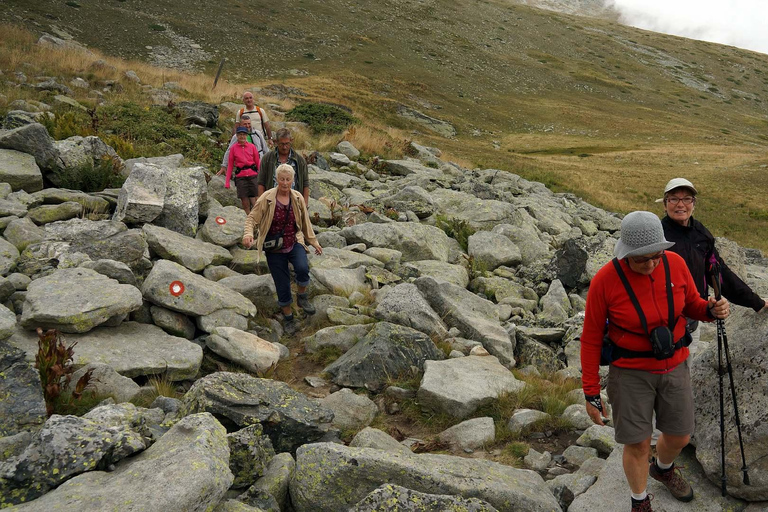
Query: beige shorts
pixel 636 394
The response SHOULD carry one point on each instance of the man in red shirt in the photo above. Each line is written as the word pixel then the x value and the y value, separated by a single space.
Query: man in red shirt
pixel 642 379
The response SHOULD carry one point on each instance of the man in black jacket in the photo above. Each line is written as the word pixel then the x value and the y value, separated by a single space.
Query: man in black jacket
pixel 696 244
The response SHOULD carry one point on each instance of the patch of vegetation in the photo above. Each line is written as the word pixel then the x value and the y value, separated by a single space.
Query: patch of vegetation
pixel 68 123
pixel 72 3
pixel 456 228
pixel 326 355
pixel 321 118
pixel 93 177
pixel 156 27
pixel 54 363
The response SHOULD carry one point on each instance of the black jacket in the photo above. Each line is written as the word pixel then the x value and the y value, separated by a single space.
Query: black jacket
pixel 695 243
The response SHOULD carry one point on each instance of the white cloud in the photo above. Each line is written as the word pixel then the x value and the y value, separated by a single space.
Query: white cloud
pixel 739 23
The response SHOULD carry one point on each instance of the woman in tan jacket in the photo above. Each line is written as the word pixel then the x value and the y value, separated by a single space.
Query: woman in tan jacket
pixel 285 230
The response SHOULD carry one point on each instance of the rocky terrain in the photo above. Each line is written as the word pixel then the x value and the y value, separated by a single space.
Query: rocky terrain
pixel 443 290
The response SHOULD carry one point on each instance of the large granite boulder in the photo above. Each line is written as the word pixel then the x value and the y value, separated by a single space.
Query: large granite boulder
pixel 250 452
pixel 387 352
pixel 404 305
pixel 415 241
pixel 246 349
pixel 47 213
pixel 142 196
pixel 747 335
pixel 478 213
pixel 23 232
pixel 9 256
pixel 20 171
pixel 331 477
pixel 172 286
pixel 189 252
pixel 492 250
pixel 90 203
pixel 186 470
pixel 476 318
pixel 200 113
pixel 224 226
pixel 393 498
pixel 132 349
pixel 260 290
pixel 290 419
pixel 375 438
pixel 439 270
pixel 34 140
pixel 410 198
pixel 77 300
pixel 342 258
pixel 82 152
pixel 350 411
pixel 22 407
pixel 458 387
pixel 186 195
pixel 65 447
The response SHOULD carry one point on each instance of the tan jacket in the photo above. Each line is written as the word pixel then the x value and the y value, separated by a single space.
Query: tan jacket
pixel 263 212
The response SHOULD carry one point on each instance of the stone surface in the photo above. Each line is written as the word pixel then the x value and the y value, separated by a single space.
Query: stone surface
pixel 22 406
pixel 186 194
pixel 375 438
pixel 154 479
pixel 330 478
pixel 393 498
pixel 246 349
pixel 192 254
pixel 260 290
pixel 386 352
pixel 132 349
pixel 470 435
pixel 20 171
pixel 599 437
pixel 577 455
pixel 492 250
pixel 277 477
pixel 142 196
pixel 76 300
pixel 173 322
pixel 34 140
pixel 415 241
pixel 224 226
pixel 523 418
pixel 440 271
pixel 289 418
pixel 250 451
pixel 350 411
pixel 9 256
pixel 106 382
pixel 458 387
pixel 116 270
pixel 341 337
pixel 404 305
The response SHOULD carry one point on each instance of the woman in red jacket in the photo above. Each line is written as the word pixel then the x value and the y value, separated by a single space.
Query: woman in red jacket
pixel 648 361
pixel 244 160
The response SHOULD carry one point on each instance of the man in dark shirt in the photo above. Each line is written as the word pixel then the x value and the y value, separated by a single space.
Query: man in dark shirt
pixel 284 154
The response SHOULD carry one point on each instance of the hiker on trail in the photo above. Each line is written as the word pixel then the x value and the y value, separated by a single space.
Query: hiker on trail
pixel 255 138
pixel 284 154
pixel 285 230
pixel 259 119
pixel 696 245
pixel 244 159
pixel 644 295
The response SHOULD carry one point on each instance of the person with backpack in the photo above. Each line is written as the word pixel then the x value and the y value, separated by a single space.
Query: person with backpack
pixel 696 245
pixel 643 296
pixel 259 119
pixel 244 161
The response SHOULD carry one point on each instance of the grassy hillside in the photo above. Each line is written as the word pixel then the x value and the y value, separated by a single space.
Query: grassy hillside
pixel 583 104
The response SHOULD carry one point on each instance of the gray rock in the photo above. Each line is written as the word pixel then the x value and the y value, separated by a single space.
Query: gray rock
pixel 225 196
pixel 12 210
pixel 577 415
pixel 105 381
pixel 250 451
pixel 330 239
pixel 326 479
pixel 385 353
pixel 442 128
pixel 152 480
pixel 439 270
pixel 289 418
pixel 9 255
pixel 23 232
pixel 23 406
pixel 523 418
pixel 7 288
pixel 577 455
pixel 410 198
pixel 404 305
pixel 55 212
pixel 476 318
pixel 478 213
pixel 555 305
pixel 346 148
pixel 7 322
pixel 222 318
pixel 537 354
pixel 350 411
pixel 537 461
pixel 458 387
pixel 255 499
pixel 389 257
pixel 82 152
pixel 341 337
pixel 199 112
pixel 191 253
pixel 339 159
pixel 198 297
pixel 599 437
pixel 34 140
pixel 65 447
pixel 393 498
pixel 152 351
pixel 569 486
pixel 492 250
pixel 277 477
pixel 173 322
pixel 333 258
pixel 116 270
pixel 248 350
pixel 19 281
pixel 375 438
pixel 260 290
pixel 77 300
pixel 186 194
pixel 20 171
pixel 415 241
pixel 224 226
pixel 470 434
pixel 219 272
pixel 142 196
pixel 342 281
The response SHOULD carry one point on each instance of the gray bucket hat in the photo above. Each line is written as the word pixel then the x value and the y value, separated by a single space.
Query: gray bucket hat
pixel 641 233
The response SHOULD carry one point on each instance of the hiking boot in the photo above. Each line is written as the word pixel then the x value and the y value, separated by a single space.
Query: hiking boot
pixel 642 505
pixel 290 325
pixel 672 480
pixel 302 299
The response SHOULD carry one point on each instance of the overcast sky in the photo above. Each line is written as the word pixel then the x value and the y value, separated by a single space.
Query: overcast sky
pixel 741 23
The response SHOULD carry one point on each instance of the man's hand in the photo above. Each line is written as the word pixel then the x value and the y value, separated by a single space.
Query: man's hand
pixel 594 413
pixel 247 241
pixel 719 309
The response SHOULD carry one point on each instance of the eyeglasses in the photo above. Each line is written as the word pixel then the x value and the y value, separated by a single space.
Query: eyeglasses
pixel 685 200
pixel 644 259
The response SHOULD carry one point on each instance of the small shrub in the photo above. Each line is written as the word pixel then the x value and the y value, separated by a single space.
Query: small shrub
pixel 54 363
pixel 326 355
pixel 93 177
pixel 321 118
pixel 456 228
pixel 67 123
pixel 156 27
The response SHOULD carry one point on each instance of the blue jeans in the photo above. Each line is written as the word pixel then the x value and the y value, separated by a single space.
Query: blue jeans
pixel 281 274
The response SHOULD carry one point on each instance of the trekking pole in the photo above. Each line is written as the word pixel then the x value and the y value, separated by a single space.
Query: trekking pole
pixel 722 338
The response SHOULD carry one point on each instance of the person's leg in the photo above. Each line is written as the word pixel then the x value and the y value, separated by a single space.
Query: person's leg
pixel 252 200
pixel 635 462
pixel 246 205
pixel 281 275
pixel 669 447
pixel 300 264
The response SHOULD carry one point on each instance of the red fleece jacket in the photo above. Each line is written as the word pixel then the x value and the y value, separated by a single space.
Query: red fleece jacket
pixel 608 299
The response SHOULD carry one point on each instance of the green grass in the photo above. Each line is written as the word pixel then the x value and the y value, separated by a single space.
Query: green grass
pixel 321 118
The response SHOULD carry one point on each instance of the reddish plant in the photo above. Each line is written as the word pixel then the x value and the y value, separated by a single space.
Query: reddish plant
pixel 54 363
